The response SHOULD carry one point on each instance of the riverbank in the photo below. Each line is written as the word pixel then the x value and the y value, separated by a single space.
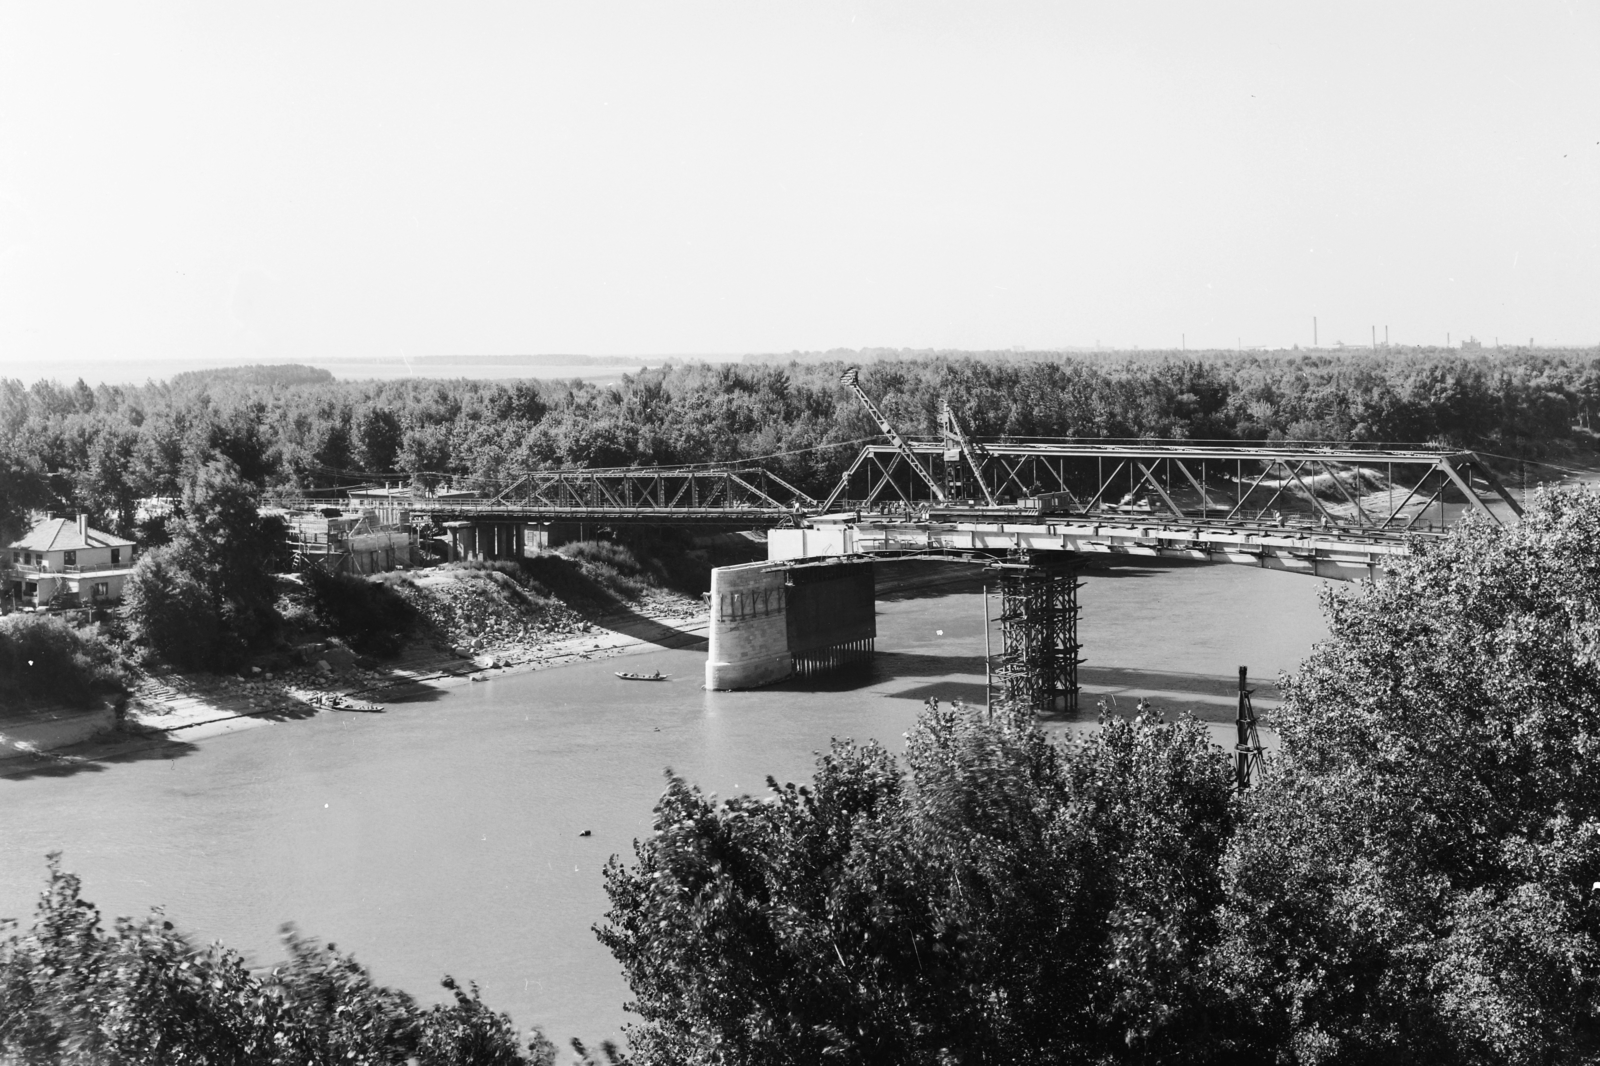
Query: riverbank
pixel 174 708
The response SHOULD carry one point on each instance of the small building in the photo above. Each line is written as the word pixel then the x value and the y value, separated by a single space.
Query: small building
pixel 351 542
pixel 63 562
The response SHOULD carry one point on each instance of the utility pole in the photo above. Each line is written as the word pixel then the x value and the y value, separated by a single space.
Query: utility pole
pixel 1386 336
pixel 1374 338
pixel 1313 331
pixel 1185 341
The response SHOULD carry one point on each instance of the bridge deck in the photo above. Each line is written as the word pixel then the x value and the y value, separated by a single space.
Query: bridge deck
pixel 1341 557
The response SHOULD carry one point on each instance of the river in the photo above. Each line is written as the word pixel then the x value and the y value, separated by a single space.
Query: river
pixel 443 836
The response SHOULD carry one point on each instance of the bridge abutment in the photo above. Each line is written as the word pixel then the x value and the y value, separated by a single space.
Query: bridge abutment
pixel 770 621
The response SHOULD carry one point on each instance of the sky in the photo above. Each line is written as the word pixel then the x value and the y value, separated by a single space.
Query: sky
pixel 350 180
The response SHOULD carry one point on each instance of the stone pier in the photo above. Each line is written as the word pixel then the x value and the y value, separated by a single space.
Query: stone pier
pixel 485 540
pixel 772 620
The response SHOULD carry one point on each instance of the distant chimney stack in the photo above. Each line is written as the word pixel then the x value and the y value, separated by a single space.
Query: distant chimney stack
pixel 83 527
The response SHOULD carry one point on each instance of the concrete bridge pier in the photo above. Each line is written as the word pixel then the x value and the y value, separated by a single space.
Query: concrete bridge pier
pixel 771 621
pixel 485 540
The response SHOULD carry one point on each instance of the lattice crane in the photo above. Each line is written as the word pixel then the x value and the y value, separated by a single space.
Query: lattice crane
pixel 851 379
pixel 958 444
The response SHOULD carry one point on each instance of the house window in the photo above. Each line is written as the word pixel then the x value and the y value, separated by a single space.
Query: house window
pixel 101 590
pixel 116 556
pixel 27 557
pixel 69 559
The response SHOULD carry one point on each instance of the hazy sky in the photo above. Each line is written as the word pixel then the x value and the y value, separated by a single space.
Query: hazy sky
pixel 190 180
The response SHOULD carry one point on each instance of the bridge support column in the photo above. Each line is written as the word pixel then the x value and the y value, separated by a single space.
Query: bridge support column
pixel 749 639
pixel 1037 666
pixel 773 621
pixel 460 541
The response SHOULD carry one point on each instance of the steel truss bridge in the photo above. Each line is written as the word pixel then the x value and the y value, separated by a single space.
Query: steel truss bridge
pixel 735 494
pixel 1350 490
pixel 1336 511
pixel 1034 511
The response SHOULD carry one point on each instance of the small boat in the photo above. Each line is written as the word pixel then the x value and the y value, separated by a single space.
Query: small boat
pixel 346 703
pixel 657 676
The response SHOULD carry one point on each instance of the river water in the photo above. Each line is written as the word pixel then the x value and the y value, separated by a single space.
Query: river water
pixel 443 836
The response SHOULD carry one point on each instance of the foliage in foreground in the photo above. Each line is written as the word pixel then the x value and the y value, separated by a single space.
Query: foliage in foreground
pixel 1417 880
pixel 1007 901
pixel 42 659
pixel 140 994
pixel 1414 882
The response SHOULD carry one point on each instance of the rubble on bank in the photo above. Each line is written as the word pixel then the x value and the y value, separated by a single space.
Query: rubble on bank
pixel 470 621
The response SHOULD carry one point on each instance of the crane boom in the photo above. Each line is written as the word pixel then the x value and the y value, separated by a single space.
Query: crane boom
pixel 851 379
pixel 975 453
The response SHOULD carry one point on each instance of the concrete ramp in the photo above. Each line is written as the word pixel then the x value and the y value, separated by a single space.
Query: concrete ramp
pixel 773 620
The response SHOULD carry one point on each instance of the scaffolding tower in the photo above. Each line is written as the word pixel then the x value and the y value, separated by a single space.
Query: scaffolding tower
pixel 1247 764
pixel 1037 666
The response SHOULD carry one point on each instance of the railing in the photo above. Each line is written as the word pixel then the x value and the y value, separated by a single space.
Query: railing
pixel 73 568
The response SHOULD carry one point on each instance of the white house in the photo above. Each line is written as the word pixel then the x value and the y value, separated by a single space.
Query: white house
pixel 63 562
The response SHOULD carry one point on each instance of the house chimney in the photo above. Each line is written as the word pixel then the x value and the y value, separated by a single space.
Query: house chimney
pixel 83 528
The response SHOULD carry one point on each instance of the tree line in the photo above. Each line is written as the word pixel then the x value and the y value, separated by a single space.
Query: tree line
pixel 99 450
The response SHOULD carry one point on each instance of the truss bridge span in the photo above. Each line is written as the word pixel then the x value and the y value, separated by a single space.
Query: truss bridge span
pixel 1336 511
pixel 735 494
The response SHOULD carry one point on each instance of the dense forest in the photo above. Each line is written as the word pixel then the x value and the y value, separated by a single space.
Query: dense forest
pixel 100 449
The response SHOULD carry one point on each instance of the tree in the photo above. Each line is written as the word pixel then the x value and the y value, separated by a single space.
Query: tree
pixel 1412 883
pixel 204 598
pixel 170 611
pixel 378 434
pixel 1007 900
pixel 140 994
pixel 23 486
pixel 425 452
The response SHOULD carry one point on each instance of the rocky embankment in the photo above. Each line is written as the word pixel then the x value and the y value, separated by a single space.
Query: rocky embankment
pixel 469 622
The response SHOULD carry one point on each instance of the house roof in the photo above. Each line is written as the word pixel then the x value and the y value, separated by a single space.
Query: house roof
pixel 61 534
